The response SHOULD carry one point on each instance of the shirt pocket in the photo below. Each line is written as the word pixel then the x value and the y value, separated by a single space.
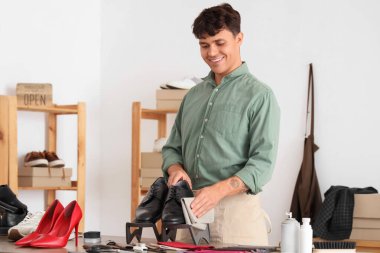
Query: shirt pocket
pixel 226 119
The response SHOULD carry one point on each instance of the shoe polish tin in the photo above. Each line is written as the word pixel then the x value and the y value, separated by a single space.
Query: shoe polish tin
pixel 91 237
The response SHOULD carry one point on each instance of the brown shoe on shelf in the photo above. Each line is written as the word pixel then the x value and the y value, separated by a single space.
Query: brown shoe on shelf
pixel 35 159
pixel 53 160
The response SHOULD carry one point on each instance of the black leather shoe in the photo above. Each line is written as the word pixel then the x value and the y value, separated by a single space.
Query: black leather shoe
pixel 150 208
pixel 172 213
pixel 9 201
pixel 12 211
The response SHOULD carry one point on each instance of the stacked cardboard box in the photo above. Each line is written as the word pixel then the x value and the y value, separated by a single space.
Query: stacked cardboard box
pixel 169 99
pixel 44 177
pixel 150 168
pixel 366 218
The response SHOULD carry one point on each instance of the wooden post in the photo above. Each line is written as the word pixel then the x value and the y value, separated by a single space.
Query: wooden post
pixel 52 132
pixel 4 139
pixel 12 158
pixel 51 147
pixel 162 126
pixel 81 176
pixel 136 159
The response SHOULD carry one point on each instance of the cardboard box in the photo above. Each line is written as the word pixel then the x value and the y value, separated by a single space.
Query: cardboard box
pixel 44 181
pixel 168 104
pixel 45 172
pixel 367 206
pixel 169 99
pixel 151 160
pixel 368 234
pixel 366 217
pixel 170 94
pixel 44 177
pixel 147 181
pixel 366 223
pixel 151 172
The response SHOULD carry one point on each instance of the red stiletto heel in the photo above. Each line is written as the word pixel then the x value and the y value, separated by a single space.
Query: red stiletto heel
pixel 45 225
pixel 76 235
pixel 59 235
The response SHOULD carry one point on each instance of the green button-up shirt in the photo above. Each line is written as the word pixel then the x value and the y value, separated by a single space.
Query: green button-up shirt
pixel 225 130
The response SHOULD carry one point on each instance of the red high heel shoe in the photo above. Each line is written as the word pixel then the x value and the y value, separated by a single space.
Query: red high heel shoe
pixel 66 222
pixel 45 225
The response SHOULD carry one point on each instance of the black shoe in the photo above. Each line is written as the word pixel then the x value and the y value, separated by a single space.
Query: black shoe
pixel 150 208
pixel 172 213
pixel 9 201
pixel 12 211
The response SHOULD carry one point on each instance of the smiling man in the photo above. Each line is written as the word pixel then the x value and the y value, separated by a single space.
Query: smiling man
pixel 224 139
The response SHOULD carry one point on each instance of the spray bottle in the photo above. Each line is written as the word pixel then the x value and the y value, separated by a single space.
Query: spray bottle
pixel 306 236
pixel 290 235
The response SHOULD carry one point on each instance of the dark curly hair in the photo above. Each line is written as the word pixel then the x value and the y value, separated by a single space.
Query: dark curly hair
pixel 212 20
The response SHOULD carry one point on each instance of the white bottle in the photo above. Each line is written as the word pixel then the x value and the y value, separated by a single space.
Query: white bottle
pixel 289 235
pixel 306 236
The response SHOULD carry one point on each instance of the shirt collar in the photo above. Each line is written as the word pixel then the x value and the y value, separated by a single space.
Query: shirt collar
pixel 241 70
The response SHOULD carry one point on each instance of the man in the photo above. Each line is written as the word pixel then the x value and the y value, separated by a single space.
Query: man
pixel 224 139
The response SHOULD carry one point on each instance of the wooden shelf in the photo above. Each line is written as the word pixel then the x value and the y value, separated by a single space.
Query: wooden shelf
pixel 56 109
pixel 73 187
pixel 157 111
pixel 61 188
pixel 8 146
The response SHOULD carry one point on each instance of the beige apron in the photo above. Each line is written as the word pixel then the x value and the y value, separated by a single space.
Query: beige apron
pixel 239 219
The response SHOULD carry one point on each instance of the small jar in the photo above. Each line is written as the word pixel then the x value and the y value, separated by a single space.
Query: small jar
pixel 91 237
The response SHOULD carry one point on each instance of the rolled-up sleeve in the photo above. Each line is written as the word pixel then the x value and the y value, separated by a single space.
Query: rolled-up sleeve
pixel 264 124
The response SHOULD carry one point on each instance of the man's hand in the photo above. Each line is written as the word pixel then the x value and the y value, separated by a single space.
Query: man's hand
pixel 208 197
pixel 177 173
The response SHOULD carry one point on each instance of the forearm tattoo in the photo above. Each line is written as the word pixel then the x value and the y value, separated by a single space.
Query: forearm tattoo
pixel 236 183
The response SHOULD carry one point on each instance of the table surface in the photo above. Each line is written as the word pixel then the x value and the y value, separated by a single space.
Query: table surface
pixel 7 246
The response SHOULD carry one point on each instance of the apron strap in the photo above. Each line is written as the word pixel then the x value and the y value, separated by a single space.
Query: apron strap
pixel 310 103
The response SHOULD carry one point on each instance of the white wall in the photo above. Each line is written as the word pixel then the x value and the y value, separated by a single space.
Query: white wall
pixel 56 42
pixel 145 43
pixel 110 53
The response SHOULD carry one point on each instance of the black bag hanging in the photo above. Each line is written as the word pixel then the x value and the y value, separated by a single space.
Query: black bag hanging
pixel 307 198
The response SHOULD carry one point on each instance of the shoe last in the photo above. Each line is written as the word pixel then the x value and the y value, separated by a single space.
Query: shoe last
pixel 172 212
pixel 45 225
pixel 60 233
pixel 150 208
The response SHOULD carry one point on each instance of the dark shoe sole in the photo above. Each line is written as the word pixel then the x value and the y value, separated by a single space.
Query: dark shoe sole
pixel 174 222
pixel 14 235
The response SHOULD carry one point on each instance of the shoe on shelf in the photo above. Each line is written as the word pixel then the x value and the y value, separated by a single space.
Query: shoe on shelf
pixel 45 224
pixel 53 160
pixel 150 208
pixel 159 144
pixel 26 226
pixel 172 212
pixel 35 159
pixel 58 236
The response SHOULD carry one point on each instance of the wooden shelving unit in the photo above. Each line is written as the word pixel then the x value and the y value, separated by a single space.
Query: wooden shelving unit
pixel 138 114
pixel 8 146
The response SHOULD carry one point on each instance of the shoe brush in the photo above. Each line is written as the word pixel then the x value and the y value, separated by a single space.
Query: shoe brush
pixel 334 247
